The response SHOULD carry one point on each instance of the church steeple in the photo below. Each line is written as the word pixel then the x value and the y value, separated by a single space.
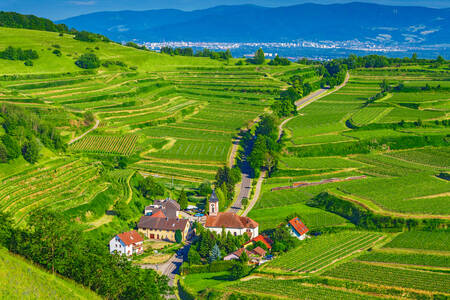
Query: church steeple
pixel 213 204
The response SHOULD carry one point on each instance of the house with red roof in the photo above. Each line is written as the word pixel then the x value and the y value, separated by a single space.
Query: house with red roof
pixel 127 243
pixel 263 239
pixel 298 229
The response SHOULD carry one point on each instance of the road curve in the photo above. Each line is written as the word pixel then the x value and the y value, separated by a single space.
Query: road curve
pixel 97 122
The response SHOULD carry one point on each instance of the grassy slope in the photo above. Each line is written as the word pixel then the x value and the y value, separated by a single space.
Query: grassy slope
pixel 21 280
pixel 50 63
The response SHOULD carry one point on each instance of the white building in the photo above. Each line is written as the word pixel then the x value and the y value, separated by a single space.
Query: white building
pixel 232 222
pixel 127 243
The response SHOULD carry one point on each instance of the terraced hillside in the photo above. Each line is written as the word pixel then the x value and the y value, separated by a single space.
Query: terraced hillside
pixel 398 141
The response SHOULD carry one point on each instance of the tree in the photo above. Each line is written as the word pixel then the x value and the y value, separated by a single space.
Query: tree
pixel 205 188
pixel 178 236
pixel 3 153
pixel 88 61
pixel 259 57
pixel 30 151
pixel 244 257
pixel 215 254
pixel 12 146
pixel 244 201
pixel 150 188
pixel 237 271
pixel 193 257
pixel 183 201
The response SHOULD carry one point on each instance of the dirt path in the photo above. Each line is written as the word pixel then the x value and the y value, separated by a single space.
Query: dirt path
pixel 97 122
pixel 303 102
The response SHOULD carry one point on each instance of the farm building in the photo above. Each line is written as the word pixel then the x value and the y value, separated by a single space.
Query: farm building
pixel 232 222
pixel 127 243
pixel 263 239
pixel 169 207
pixel 163 228
pixel 298 229
pixel 254 255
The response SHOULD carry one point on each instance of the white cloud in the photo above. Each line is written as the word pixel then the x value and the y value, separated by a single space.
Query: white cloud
pixel 84 3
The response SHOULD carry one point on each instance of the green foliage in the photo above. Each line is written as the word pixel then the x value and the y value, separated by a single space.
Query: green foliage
pixel 238 271
pixel 30 151
pixel 226 179
pixel 279 61
pixel 88 61
pixel 54 243
pixel 178 236
pixel 15 20
pixel 12 53
pixel 358 215
pixel 205 189
pixel 57 52
pixel 150 188
pixel 85 36
pixel 215 254
pixel 182 200
pixel 259 57
pixel 193 257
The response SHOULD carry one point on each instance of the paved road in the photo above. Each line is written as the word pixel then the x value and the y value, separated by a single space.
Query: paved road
pixel 97 122
pixel 246 187
pixel 255 195
pixel 172 266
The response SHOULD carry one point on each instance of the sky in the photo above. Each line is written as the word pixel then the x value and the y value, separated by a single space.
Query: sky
pixel 61 9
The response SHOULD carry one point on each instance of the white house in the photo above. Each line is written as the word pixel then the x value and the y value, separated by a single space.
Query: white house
pixel 127 243
pixel 233 223
pixel 298 229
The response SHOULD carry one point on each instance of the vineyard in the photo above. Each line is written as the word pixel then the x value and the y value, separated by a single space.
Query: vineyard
pixel 123 145
pixel 321 252
pixel 292 289
pixel 63 184
pixel 406 278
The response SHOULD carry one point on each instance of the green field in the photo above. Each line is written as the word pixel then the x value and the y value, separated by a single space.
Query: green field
pixel 322 251
pixel 20 279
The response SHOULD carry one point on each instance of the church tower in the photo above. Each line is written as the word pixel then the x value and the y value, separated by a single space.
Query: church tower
pixel 213 204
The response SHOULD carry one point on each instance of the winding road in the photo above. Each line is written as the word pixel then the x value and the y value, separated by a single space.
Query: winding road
pixel 97 122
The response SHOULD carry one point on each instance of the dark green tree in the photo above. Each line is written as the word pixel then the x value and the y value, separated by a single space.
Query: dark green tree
pixel 182 200
pixel 259 57
pixel 178 236
pixel 3 153
pixel 238 271
pixel 150 188
pixel 193 257
pixel 88 61
pixel 30 151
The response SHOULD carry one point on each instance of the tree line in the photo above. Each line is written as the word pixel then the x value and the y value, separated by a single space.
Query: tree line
pixel 25 132
pixel 187 51
pixel 54 243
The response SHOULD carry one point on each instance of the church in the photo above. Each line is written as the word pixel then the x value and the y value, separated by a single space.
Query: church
pixel 232 222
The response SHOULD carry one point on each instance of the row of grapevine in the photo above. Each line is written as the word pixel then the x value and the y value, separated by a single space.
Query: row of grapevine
pixel 123 145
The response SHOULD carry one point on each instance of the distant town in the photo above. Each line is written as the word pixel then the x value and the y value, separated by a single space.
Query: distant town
pixel 318 50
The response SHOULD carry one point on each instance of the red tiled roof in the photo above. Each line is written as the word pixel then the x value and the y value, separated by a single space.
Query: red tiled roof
pixel 230 220
pixel 298 226
pixel 158 214
pixel 263 239
pixel 259 251
pixel 238 252
pixel 130 237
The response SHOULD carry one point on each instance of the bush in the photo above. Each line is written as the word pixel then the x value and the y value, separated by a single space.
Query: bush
pixel 28 63
pixel 57 52
pixel 12 53
pixel 88 61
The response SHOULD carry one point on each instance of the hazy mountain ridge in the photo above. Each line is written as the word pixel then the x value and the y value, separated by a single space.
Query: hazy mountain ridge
pixel 339 22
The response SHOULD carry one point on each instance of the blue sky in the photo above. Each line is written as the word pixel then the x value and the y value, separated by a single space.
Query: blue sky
pixel 60 9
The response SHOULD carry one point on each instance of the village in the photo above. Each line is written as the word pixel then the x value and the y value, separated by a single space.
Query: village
pixel 199 240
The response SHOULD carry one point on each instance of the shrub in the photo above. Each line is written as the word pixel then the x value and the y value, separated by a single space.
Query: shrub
pixel 88 61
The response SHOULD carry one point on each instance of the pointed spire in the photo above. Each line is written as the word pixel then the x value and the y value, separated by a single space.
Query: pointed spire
pixel 213 197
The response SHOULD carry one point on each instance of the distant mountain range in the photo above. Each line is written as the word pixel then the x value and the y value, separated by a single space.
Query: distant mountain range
pixel 249 23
